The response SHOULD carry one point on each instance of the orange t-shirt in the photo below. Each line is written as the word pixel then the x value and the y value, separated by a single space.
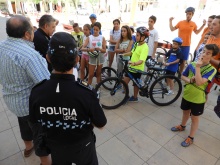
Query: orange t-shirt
pixel 213 40
pixel 205 31
pixel 185 31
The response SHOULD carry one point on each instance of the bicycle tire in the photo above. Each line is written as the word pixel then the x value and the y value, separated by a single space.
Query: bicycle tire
pixel 110 97
pixel 159 87
pixel 106 73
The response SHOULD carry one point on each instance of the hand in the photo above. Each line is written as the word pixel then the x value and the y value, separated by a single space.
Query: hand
pixel 91 49
pixel 193 79
pixel 166 64
pixel 131 63
pixel 171 18
pixel 204 22
pixel 199 63
pixel 98 49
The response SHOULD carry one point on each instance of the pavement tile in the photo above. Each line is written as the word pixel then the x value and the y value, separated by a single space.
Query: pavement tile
pixel 139 143
pixel 115 124
pixel 12 118
pixel 218 162
pixel 32 160
pixel 192 155
pixel 3 104
pixel 8 144
pixel 114 152
pixel 173 110
pixel 102 136
pixel 100 160
pixel 129 114
pixel 154 130
pixel 163 156
pixel 209 114
pixel 4 122
pixel 16 159
pixel 17 134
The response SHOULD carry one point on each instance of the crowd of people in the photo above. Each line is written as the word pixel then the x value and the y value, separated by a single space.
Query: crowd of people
pixel 57 112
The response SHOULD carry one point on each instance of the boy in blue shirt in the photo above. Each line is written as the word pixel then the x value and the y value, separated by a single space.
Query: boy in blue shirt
pixel 174 56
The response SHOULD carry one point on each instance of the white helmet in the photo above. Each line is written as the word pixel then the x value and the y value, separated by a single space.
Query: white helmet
pixel 150 62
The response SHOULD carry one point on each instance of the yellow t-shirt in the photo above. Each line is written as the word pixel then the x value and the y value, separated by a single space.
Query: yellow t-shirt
pixel 139 52
pixel 78 38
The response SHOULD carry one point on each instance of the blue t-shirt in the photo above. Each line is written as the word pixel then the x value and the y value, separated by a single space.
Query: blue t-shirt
pixel 134 40
pixel 173 56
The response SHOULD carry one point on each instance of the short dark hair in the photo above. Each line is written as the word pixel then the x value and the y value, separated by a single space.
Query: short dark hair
pixel 212 16
pixel 46 19
pixel 213 47
pixel 153 18
pixel 218 17
pixel 97 24
pixel 62 51
pixel 17 26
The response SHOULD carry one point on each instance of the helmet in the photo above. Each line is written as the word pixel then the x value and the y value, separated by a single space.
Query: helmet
pixel 178 40
pixel 92 16
pixel 143 31
pixel 150 62
pixel 93 54
pixel 190 9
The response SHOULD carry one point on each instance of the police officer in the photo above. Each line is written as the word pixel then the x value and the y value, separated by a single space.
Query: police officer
pixel 66 109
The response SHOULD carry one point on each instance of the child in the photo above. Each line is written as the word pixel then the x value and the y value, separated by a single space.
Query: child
pixel 138 56
pixel 97 45
pixel 201 46
pixel 124 44
pixel 197 75
pixel 174 56
pixel 85 57
pixel 132 35
pixel 77 34
pixel 114 37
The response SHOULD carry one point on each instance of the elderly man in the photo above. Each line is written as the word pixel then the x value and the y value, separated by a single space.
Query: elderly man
pixel 47 26
pixel 21 69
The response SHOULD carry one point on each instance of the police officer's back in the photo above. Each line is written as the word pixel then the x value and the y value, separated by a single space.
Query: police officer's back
pixel 66 109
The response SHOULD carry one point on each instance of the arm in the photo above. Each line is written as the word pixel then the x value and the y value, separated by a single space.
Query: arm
pixel 111 40
pixel 84 46
pixel 127 54
pixel 135 63
pixel 117 50
pixel 172 28
pixel 185 74
pixel 197 31
pixel 129 46
pixel 170 63
pixel 155 48
pixel 199 80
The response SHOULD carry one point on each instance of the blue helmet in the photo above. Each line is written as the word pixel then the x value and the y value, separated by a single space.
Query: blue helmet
pixel 178 40
pixel 92 16
pixel 190 9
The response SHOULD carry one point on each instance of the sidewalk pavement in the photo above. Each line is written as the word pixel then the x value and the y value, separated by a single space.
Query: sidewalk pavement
pixel 136 134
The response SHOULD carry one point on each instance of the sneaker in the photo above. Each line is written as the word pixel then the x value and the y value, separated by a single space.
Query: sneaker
pixel 187 142
pixel 132 99
pixel 119 86
pixel 170 92
pixel 178 128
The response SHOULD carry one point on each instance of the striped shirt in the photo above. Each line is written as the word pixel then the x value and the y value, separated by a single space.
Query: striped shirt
pixel 21 68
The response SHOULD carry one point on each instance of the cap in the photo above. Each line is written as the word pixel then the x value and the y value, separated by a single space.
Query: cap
pixel 75 24
pixel 62 42
pixel 92 16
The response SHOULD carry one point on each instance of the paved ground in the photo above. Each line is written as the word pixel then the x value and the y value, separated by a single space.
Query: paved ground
pixel 136 134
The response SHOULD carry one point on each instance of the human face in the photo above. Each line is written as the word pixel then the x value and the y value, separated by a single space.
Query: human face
pixel 215 27
pixel 175 45
pixel 116 25
pixel 209 22
pixel 50 28
pixel 96 31
pixel 189 16
pixel 206 55
pixel 76 29
pixel 206 38
pixel 151 23
pixel 124 32
pixel 139 38
pixel 86 31
pixel 93 20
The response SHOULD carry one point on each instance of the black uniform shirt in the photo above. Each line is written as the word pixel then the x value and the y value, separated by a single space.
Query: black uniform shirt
pixel 65 108
pixel 41 41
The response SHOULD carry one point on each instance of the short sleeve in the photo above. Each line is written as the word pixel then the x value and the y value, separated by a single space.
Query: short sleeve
pixel 177 25
pixel 186 71
pixel 144 53
pixel 210 75
pixel 111 32
pixel 156 36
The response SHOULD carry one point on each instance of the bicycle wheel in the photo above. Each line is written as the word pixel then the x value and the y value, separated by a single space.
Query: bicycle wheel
pixel 114 95
pixel 106 73
pixel 159 92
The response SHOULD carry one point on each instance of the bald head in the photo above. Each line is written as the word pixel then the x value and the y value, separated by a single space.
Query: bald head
pixel 17 26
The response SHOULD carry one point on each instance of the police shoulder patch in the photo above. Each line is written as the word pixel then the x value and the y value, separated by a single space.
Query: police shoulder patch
pixel 84 84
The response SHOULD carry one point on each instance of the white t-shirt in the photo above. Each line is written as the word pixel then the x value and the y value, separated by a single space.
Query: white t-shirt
pixel 116 36
pixel 84 39
pixel 152 38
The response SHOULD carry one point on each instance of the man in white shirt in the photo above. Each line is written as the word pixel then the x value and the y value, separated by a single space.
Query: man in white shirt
pixel 152 41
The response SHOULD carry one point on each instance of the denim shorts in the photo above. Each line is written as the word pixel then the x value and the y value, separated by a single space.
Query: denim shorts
pixel 111 48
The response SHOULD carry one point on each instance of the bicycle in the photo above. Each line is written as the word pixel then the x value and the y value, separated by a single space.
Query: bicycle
pixel 117 92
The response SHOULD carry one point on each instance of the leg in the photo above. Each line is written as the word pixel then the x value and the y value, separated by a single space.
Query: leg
pixel 111 58
pixel 182 66
pixel 98 73
pixel 194 125
pixel 126 79
pixel 185 117
pixel 45 160
pixel 82 68
pixel 171 84
pixel 91 73
pixel 136 89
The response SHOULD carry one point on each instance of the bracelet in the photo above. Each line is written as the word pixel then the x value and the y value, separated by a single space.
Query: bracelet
pixel 87 49
pixel 190 81
pixel 134 64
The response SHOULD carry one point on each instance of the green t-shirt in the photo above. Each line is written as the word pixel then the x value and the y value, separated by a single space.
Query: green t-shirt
pixel 192 92
pixel 139 52
pixel 78 38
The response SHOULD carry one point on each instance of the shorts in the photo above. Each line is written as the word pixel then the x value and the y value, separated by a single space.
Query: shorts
pixel 97 60
pixel 168 72
pixel 111 48
pixel 25 128
pixel 135 75
pixel 185 52
pixel 82 153
pixel 196 109
pixel 85 56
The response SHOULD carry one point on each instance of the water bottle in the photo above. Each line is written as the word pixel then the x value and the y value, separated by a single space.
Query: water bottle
pixel 140 82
